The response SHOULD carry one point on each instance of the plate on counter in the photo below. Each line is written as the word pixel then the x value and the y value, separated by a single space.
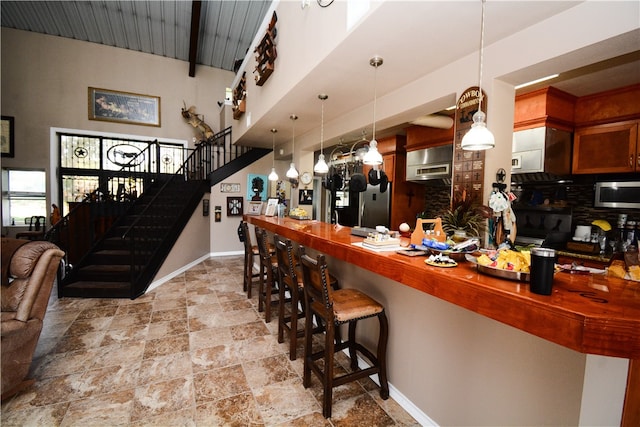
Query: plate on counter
pixel 519 276
pixel 441 261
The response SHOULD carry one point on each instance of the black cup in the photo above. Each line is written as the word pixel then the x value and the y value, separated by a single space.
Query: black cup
pixel 542 266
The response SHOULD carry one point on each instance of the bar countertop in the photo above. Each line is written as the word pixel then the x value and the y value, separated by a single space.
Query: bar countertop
pixel 592 314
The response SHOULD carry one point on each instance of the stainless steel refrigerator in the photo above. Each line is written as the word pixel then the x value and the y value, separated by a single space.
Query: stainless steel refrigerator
pixel 375 207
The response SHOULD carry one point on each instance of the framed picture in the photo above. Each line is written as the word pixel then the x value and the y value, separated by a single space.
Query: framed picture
pixel 124 107
pixel 305 197
pixel 256 187
pixel 234 206
pixel 230 187
pixel 272 207
pixel 7 137
pixel 255 208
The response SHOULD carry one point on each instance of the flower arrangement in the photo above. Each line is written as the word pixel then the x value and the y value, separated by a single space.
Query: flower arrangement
pixel 465 215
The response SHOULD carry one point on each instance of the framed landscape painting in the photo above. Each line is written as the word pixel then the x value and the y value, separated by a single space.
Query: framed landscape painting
pixel 124 107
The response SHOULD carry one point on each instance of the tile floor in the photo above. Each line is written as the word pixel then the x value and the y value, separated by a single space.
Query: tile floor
pixel 193 352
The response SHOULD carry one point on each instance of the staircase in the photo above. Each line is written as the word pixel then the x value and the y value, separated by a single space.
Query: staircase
pixel 124 260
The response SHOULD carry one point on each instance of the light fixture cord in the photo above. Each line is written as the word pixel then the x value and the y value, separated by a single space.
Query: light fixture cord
pixel 293 138
pixel 481 58
pixel 273 149
pixel 322 127
pixel 375 96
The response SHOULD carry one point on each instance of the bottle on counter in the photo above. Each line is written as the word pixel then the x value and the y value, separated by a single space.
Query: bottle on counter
pixel 631 237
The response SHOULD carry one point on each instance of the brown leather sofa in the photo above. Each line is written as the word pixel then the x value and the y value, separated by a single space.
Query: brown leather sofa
pixel 29 270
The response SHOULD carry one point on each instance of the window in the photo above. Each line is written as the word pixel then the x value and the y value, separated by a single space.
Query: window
pixel 23 195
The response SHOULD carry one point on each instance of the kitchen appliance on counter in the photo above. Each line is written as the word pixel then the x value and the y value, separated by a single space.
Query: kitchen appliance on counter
pixel 431 166
pixel 617 194
pixel 543 226
pixel 543 151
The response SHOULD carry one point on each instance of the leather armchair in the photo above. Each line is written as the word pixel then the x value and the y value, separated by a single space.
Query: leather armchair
pixel 29 269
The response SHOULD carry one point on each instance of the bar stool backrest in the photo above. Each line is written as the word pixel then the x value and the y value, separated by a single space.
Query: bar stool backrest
pixel 315 275
pixel 286 262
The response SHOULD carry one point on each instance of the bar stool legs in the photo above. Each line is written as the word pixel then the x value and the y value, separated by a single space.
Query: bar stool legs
pixel 268 285
pixel 335 308
pixel 250 251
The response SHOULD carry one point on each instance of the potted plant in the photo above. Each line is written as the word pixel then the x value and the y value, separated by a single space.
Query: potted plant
pixel 465 218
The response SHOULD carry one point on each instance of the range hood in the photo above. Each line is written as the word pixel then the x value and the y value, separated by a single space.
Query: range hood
pixel 431 166
pixel 541 152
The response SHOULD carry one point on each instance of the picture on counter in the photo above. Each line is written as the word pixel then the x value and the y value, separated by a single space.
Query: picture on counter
pixel 234 206
pixel 305 197
pixel 124 107
pixel 272 207
pixel 255 208
pixel 256 187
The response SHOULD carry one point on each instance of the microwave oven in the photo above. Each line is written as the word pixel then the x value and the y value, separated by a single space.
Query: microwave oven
pixel 617 195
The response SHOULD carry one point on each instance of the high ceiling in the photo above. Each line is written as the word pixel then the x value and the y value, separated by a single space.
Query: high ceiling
pixel 225 28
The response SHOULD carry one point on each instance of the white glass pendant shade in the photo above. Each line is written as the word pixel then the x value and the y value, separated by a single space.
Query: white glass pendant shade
pixel 373 156
pixel 292 172
pixel 478 137
pixel 321 166
pixel 273 176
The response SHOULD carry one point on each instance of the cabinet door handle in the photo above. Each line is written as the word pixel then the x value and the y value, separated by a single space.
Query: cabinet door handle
pixel 631 161
pixel 639 160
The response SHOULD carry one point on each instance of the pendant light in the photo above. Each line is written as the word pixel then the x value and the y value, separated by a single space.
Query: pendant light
pixel 321 166
pixel 292 173
pixel 373 156
pixel 479 137
pixel 273 176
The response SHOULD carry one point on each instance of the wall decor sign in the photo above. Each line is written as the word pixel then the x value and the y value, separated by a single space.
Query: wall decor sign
pixel 226 187
pixel 234 206
pixel 256 187
pixel 124 107
pixel 7 136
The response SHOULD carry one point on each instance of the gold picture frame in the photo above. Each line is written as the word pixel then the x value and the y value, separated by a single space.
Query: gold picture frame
pixel 7 137
pixel 124 107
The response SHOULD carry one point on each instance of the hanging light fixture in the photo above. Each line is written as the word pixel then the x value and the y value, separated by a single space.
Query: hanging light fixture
pixel 321 166
pixel 373 156
pixel 479 137
pixel 273 176
pixel 292 173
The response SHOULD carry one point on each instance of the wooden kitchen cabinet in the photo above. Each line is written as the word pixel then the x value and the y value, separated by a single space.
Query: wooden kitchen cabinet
pixel 609 148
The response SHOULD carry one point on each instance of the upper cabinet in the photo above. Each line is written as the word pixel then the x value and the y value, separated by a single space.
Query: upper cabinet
pixel 609 148
pixel 547 107
pixel 419 137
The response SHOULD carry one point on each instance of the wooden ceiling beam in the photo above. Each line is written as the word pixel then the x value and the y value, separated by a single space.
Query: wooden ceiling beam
pixel 196 5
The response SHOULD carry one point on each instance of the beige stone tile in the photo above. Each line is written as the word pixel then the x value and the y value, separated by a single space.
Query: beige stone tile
pixel 169 304
pixel 161 398
pixel 220 383
pixel 167 329
pixel 167 345
pixel 129 352
pixel 141 308
pixel 79 342
pixel 259 347
pixel 57 364
pixel 209 337
pixel 163 368
pixel 269 370
pixel 309 420
pixel 123 335
pixel 183 418
pixel 124 321
pixel 93 312
pixel 238 410
pixel 215 357
pixel 50 415
pixel 285 401
pixel 83 326
pixel 167 315
pixel 108 379
pixel 110 409
pixel 359 411
pixel 249 330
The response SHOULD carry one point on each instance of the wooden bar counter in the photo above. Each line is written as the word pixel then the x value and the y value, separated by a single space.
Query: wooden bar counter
pixel 590 314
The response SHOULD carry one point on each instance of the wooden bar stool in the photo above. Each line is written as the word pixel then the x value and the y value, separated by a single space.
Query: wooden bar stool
pixel 268 285
pixel 250 251
pixel 290 281
pixel 335 308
